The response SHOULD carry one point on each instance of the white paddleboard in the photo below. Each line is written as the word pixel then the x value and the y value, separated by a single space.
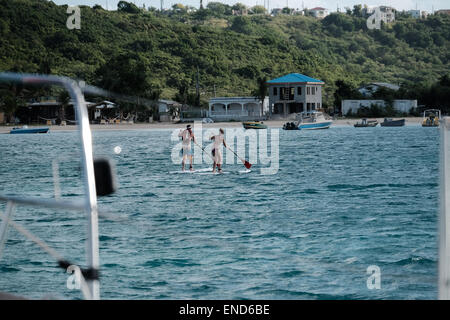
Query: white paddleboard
pixel 210 172
pixel 189 171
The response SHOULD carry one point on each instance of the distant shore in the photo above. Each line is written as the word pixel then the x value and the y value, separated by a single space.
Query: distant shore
pixel 169 125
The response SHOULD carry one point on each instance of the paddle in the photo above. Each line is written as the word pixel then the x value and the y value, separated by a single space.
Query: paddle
pixel 203 149
pixel 247 164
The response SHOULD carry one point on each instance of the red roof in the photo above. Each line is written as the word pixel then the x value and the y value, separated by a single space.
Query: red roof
pixel 318 8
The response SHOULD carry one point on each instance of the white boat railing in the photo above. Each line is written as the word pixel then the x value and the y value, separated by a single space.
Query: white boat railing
pixel 90 287
pixel 444 217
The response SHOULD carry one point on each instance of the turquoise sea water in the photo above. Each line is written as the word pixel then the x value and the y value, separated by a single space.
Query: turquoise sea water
pixel 342 200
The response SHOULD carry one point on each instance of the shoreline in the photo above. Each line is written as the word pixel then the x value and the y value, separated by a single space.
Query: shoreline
pixel 170 125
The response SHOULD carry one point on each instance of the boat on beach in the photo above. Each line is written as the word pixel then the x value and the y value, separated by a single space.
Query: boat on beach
pixel 431 118
pixel 313 120
pixel 290 126
pixel 366 123
pixel 254 125
pixel 25 129
pixel 389 122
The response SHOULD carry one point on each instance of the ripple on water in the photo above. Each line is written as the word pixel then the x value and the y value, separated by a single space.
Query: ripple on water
pixel 343 199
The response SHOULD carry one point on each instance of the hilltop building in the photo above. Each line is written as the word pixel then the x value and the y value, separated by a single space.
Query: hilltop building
pixel 387 13
pixel 444 11
pixel 318 12
pixel 294 93
pixel 276 11
pixel 414 13
pixel 417 14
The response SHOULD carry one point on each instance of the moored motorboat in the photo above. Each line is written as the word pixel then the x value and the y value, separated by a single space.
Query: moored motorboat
pixel 366 123
pixel 313 120
pixel 431 118
pixel 388 122
pixel 254 125
pixel 25 129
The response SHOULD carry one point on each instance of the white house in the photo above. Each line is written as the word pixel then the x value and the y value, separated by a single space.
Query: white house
pixel 399 105
pixel 294 93
pixel 387 14
pixel 237 108
pixel 414 13
pixel 318 12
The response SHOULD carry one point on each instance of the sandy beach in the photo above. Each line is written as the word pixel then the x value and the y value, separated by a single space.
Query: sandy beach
pixel 169 125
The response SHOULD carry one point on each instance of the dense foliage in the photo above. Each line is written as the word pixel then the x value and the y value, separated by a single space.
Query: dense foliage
pixel 151 53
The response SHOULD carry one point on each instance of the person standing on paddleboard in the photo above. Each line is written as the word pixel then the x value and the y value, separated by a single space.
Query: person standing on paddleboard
pixel 217 150
pixel 187 135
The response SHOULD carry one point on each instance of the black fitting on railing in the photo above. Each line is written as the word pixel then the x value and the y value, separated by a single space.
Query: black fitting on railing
pixel 90 274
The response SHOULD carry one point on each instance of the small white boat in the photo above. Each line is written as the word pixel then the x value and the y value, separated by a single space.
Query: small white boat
pixel 25 129
pixel 431 118
pixel 313 120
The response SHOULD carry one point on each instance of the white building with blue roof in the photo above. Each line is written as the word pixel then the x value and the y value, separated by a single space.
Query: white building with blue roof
pixel 294 93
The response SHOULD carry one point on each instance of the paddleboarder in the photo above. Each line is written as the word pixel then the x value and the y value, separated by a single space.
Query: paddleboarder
pixel 187 135
pixel 217 150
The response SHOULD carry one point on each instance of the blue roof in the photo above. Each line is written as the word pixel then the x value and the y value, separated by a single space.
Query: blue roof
pixel 294 78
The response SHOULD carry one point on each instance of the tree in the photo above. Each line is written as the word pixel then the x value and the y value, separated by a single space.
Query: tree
pixel 287 10
pixel 239 6
pixel 343 91
pixel 178 7
pixel 130 76
pixel 64 99
pixel 219 9
pixel 128 7
pixel 241 24
pixel 183 88
pixel 10 101
pixel 259 10
pixel 261 91
pixel 357 10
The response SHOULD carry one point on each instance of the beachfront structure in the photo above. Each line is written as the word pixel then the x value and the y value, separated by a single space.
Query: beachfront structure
pixel 237 108
pixel 399 105
pixel 167 109
pixel 47 110
pixel 44 110
pixel 105 112
pixel 294 93
pixel 368 89
pixel 318 12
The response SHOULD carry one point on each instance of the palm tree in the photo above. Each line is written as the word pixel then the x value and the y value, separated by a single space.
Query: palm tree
pixel 261 91
pixel 64 99
pixel 11 99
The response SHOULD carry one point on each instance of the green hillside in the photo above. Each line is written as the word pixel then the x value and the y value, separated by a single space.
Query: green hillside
pixel 147 52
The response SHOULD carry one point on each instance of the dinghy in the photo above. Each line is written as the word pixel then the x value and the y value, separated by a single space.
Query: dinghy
pixel 25 129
